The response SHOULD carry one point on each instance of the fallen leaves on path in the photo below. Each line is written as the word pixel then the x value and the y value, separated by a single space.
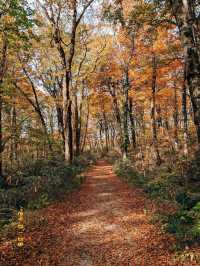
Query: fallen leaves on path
pixel 103 224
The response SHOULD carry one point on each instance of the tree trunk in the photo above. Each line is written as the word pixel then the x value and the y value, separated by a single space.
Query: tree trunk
pixel 86 128
pixel 153 110
pixel 77 125
pixel 185 118
pixel 186 21
pixel 118 117
pixel 126 141
pixel 60 124
pixel 13 154
pixel 1 138
pixel 175 116
pixel 2 73
pixel 132 121
pixel 105 127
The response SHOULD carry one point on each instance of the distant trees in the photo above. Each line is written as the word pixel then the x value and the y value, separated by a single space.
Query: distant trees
pixel 156 80
pixel 126 80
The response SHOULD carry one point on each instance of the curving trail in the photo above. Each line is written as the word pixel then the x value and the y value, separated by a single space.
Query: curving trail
pixel 103 224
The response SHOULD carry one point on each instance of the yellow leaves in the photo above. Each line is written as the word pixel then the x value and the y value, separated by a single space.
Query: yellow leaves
pixel 7 19
pixel 165 93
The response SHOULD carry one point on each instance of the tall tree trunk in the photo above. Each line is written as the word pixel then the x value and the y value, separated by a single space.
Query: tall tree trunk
pixel 153 110
pixel 2 73
pixel 132 121
pixel 175 116
pixel 66 97
pixel 1 137
pixel 100 136
pixel 117 115
pixel 66 100
pixel 60 124
pixel 13 152
pixel 77 125
pixel 86 128
pixel 186 21
pixel 125 116
pixel 185 118
pixel 105 127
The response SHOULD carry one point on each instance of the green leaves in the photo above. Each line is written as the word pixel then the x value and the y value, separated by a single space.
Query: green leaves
pixel 16 22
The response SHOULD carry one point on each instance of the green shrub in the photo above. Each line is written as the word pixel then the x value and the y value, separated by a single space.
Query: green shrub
pixel 185 224
pixel 165 184
pixel 40 182
pixel 125 170
pixel 180 224
pixel 187 200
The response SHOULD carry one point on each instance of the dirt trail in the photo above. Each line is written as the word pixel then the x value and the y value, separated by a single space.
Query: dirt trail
pixel 103 224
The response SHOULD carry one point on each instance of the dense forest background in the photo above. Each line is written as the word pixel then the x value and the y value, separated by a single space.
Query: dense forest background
pixel 80 80
pixel 92 76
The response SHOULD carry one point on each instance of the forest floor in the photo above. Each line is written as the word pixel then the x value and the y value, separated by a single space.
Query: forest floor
pixel 105 223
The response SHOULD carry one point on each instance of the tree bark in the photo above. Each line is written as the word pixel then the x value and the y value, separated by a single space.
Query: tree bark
pixel 60 124
pixel 175 116
pixel 77 125
pixel 125 117
pixel 153 110
pixel 2 73
pixel 105 127
pixel 185 117
pixel 86 128
pixel 132 121
pixel 186 21
pixel 13 154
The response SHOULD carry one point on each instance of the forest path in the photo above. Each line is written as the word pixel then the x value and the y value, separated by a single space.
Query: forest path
pixel 103 224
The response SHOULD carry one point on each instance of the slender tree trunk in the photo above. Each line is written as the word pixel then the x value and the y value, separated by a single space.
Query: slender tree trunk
pixel 125 116
pixel 2 73
pixel 1 138
pixel 112 136
pixel 13 151
pixel 132 121
pixel 118 117
pixel 153 110
pixel 175 116
pixel 86 128
pixel 60 124
pixel 77 125
pixel 185 118
pixel 66 97
pixel 105 126
pixel 67 106
pixel 70 131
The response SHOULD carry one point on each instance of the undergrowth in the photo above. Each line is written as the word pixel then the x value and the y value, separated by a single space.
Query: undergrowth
pixel 178 185
pixel 38 183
